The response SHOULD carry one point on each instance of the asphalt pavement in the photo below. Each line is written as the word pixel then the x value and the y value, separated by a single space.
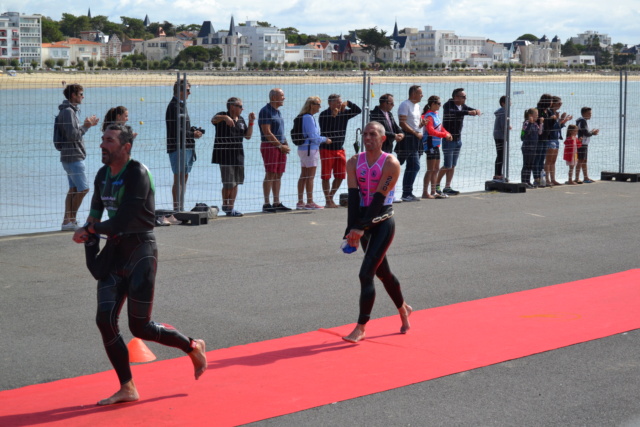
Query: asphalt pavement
pixel 263 276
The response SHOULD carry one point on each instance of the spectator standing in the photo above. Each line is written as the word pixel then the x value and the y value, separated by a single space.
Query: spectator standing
pixel 308 152
pixel 333 124
pixel 434 132
pixel 454 112
pixel 571 146
pixel 531 131
pixel 585 137
pixel 68 137
pixel 499 127
pixel 228 151
pixel 383 115
pixel 408 149
pixel 274 150
pixel 554 137
pixel 177 110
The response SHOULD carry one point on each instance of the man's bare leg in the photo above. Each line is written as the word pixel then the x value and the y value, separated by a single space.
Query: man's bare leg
pixel 405 311
pixel 199 358
pixel 127 393
pixel 68 203
pixel 356 335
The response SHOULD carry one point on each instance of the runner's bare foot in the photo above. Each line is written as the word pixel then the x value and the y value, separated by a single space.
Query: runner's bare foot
pixel 127 393
pixel 356 335
pixel 199 358
pixel 405 311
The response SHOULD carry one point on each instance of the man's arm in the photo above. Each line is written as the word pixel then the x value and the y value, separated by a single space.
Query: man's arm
pixel 353 110
pixel 71 130
pixel 249 131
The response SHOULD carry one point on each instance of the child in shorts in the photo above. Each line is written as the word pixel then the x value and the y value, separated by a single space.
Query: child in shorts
pixel 585 135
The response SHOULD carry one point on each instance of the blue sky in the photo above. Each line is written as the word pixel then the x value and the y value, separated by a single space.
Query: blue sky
pixel 499 20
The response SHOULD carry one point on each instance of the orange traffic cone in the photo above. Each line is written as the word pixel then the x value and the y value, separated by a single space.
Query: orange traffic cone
pixel 139 352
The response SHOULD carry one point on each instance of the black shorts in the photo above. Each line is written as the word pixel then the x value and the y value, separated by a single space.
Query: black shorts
pixel 433 153
pixel 583 152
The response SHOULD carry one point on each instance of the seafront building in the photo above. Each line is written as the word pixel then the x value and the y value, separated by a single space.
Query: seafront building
pixel 589 37
pixel 442 46
pixel 21 38
pixel 234 45
pixel 265 43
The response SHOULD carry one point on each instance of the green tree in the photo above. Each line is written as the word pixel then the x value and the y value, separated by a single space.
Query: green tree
pixel 60 62
pixel 373 40
pixel 112 63
pixel 51 31
pixel 3 62
pixel 264 24
pixel 91 63
pixel 50 63
pixel 215 53
pixel 528 37
pixel 569 48
pixel 194 53
pixel 71 25
pixel 34 64
pixel 133 28
pixel 100 63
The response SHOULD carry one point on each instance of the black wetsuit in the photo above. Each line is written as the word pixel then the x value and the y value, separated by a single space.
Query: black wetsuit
pixel 379 228
pixel 129 200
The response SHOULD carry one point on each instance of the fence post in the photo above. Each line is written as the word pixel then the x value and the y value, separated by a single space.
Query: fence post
pixel 623 121
pixel 181 138
pixel 507 112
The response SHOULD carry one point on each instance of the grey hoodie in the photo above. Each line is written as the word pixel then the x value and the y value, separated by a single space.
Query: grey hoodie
pixel 70 131
pixel 499 124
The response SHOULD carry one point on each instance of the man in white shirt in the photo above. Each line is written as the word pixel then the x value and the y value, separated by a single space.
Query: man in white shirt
pixel 408 149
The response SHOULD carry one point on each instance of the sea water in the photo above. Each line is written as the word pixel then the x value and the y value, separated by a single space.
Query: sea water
pixel 33 184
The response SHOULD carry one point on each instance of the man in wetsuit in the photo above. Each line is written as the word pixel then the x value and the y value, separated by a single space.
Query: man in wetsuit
pixel 371 177
pixel 124 187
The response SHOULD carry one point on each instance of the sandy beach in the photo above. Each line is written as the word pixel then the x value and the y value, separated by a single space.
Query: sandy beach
pixel 107 79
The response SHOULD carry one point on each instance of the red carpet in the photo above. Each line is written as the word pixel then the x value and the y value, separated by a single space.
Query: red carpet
pixel 267 379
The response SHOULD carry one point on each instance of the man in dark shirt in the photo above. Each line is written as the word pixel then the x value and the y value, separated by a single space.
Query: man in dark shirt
pixel 454 111
pixel 383 115
pixel 177 109
pixel 124 188
pixel 333 124
pixel 228 151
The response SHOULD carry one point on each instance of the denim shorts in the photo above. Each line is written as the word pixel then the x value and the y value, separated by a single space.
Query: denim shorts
pixel 554 144
pixel 189 158
pixel 76 175
pixel 451 152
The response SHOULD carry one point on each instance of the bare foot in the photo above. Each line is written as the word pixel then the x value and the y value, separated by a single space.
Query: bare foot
pixel 405 311
pixel 571 183
pixel 356 335
pixel 127 393
pixel 199 358
pixel 555 183
pixel 428 196
pixel 330 204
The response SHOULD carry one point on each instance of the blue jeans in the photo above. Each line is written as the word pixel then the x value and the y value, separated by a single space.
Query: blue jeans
pixel 410 173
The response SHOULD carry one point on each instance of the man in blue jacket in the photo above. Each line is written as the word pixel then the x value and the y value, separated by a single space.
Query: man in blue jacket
pixel 454 111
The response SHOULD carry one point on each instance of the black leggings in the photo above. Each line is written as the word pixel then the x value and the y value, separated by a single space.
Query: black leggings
pixel 375 243
pixel 528 164
pixel 499 156
pixel 133 277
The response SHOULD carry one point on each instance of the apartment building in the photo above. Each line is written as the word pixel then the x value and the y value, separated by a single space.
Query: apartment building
pixel 265 43
pixel 21 37
pixel 442 46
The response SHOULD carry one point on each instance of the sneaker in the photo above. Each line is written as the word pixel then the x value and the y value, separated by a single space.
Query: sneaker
pixel 280 207
pixel 450 191
pixel 300 206
pixel 397 200
pixel 410 198
pixel 441 196
pixel 438 189
pixel 267 208
pixel 70 226
pixel 234 212
pixel 312 206
pixel 529 186
pixel 172 220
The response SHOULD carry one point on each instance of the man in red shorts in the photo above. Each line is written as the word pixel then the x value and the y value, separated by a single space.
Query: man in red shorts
pixel 333 124
pixel 274 149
